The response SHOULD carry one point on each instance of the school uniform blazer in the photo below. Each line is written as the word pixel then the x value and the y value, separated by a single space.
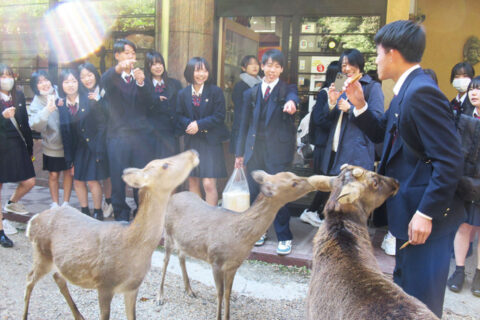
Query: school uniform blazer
pixel 212 113
pixel 317 131
pixel 237 98
pixel 87 127
pixel 354 147
pixel 22 119
pixel 467 107
pixel 422 115
pixel 280 131
pixel 162 114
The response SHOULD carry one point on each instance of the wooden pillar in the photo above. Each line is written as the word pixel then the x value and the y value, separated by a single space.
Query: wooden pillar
pixel 190 34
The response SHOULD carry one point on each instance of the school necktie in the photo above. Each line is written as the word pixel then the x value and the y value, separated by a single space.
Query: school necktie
pixel 128 79
pixel 267 94
pixel 6 104
pixel 476 116
pixel 159 88
pixel 72 108
pixel 196 100
pixel 456 106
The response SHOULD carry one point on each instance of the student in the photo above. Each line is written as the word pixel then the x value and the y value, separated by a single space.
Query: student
pixel 201 115
pixel 248 78
pixel 82 127
pixel 266 138
pixel 472 223
pixel 460 77
pixel 319 129
pixel 16 146
pixel 90 84
pixel 425 213
pixel 162 117
pixel 130 137
pixel 45 119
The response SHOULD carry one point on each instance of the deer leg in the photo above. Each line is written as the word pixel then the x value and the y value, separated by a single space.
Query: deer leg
pixel 62 285
pixel 40 268
pixel 166 259
pixel 130 299
pixel 218 275
pixel 186 281
pixel 104 300
pixel 229 276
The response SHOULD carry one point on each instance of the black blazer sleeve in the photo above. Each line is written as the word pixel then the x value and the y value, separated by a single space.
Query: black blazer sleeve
pixel 21 116
pixel 68 138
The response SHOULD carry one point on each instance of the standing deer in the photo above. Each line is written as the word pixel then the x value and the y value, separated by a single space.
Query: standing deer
pixel 346 281
pixel 112 257
pixel 225 238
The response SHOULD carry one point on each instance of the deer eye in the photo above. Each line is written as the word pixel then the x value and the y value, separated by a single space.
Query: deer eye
pixel 375 183
pixel 294 184
pixel 165 166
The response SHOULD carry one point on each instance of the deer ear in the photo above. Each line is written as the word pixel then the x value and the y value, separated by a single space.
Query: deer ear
pixel 349 194
pixel 134 177
pixel 259 176
pixel 321 183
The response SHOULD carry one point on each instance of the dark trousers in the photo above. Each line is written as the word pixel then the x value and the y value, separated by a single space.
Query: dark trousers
pixel 257 162
pixel 422 270
pixel 125 152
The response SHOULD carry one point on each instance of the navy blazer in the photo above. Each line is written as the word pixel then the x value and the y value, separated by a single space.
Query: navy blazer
pixel 422 115
pixel 212 113
pixel 354 147
pixel 280 129
pixel 237 98
pixel 21 116
pixel 86 127
pixel 317 132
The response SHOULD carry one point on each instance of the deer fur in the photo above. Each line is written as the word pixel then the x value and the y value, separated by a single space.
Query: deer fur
pixel 112 257
pixel 225 238
pixel 346 281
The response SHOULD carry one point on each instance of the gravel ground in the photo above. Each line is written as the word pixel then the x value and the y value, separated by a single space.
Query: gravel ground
pixel 48 303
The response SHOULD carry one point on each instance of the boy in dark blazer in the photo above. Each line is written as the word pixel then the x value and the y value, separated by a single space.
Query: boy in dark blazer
pixel 129 134
pixel 425 213
pixel 266 138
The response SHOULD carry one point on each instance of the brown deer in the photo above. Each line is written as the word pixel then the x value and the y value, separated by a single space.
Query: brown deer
pixel 112 257
pixel 225 238
pixel 346 281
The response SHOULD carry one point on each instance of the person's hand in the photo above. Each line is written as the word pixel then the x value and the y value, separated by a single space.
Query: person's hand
pixel 333 94
pixel 419 229
pixel 238 162
pixel 163 98
pixel 139 76
pixel 343 105
pixel 51 103
pixel 125 65
pixel 192 128
pixel 9 113
pixel 354 94
pixel 290 107
pixel 93 96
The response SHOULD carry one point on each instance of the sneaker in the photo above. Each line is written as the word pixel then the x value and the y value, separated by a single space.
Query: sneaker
pixel 8 228
pixel 476 283
pixel 284 247
pixel 107 210
pixel 65 204
pixel 388 244
pixel 455 282
pixel 54 205
pixel 311 217
pixel 5 241
pixel 15 207
pixel 261 241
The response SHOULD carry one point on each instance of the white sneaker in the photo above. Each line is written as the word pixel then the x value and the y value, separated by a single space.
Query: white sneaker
pixel 8 228
pixel 107 210
pixel 65 204
pixel 311 217
pixel 54 205
pixel 388 244
pixel 15 207
pixel 261 241
pixel 284 247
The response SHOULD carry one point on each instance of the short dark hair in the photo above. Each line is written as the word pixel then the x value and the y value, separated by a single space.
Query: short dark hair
pixel 274 54
pixel 432 74
pixel 355 58
pixel 63 76
pixel 152 57
pixel 407 37
pixel 462 68
pixel 192 65
pixel 90 67
pixel 35 78
pixel 246 61
pixel 474 84
pixel 332 70
pixel 6 69
pixel 119 45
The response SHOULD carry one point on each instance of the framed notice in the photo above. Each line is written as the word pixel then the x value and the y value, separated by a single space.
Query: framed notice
pixel 320 63
pixel 308 27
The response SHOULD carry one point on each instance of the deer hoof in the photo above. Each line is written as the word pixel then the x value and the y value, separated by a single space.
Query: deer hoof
pixel 160 301
pixel 191 294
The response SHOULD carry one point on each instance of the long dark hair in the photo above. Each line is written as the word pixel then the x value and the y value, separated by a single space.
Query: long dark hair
pixel 332 70
pixel 63 76
pixel 152 57
pixel 6 69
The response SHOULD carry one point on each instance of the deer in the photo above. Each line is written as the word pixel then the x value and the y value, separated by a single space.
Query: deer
pixel 224 238
pixel 111 257
pixel 346 281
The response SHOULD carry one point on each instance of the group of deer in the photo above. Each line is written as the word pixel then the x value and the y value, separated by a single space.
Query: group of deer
pixel 114 257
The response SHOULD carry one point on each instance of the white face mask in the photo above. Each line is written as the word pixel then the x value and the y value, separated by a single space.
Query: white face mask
pixel 461 84
pixel 46 93
pixel 6 84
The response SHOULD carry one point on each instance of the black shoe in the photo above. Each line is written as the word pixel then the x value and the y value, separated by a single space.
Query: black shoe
pixel 98 215
pixel 476 284
pixel 5 241
pixel 85 211
pixel 455 282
